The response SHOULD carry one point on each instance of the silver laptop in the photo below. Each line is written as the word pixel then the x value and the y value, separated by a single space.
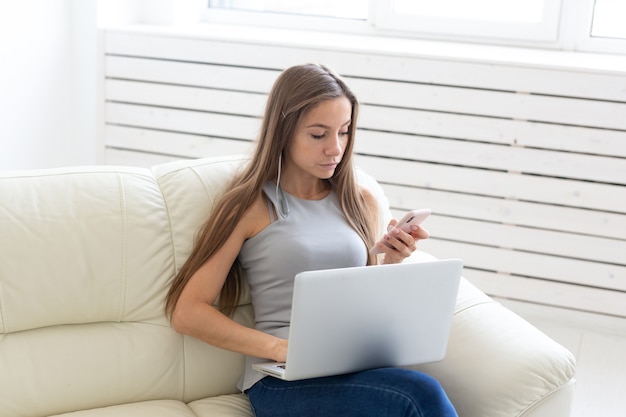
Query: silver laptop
pixel 352 319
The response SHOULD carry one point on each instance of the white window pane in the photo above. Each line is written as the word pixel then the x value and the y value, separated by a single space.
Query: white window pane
pixel 349 9
pixel 609 17
pixel 490 10
pixel 533 20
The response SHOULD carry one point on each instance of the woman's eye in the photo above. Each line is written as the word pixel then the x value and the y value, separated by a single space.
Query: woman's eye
pixel 346 133
pixel 317 136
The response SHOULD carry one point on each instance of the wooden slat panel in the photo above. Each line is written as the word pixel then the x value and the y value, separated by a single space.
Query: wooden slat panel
pixel 496 184
pixel 182 97
pixel 550 293
pixel 551 268
pixel 484 129
pixel 548 242
pixel 419 148
pixel 487 75
pixel 184 121
pixel 496 157
pixel 175 144
pixel 569 111
pixel 359 59
pixel 550 193
pixel 190 73
pixel 525 239
pixel 548 217
pixel 259 80
pixel 138 159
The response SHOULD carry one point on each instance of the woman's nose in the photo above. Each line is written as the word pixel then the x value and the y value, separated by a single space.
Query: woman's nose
pixel 335 147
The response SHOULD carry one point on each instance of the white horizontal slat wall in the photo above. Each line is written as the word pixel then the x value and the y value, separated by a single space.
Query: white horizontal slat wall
pixel 523 165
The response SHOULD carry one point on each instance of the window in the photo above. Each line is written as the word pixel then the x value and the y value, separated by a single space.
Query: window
pixel 485 10
pixel 346 9
pixel 601 27
pixel 535 20
pixel 344 15
pixel 590 25
pixel 608 19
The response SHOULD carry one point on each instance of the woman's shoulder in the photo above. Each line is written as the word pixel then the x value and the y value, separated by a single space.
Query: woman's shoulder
pixel 257 217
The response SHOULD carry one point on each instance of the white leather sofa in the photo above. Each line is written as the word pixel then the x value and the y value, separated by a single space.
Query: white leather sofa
pixel 86 258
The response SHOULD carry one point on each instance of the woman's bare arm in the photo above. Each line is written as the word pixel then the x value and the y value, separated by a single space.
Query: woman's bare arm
pixel 195 314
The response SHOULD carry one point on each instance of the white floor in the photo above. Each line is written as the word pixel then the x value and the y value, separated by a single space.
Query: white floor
pixel 599 344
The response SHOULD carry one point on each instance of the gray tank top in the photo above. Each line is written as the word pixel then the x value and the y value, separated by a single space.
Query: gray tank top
pixel 314 235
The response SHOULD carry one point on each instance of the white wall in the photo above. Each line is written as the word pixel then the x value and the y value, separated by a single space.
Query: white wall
pixel 48 83
pixel 50 75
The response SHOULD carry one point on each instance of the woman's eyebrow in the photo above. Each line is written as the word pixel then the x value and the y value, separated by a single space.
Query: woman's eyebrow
pixel 327 127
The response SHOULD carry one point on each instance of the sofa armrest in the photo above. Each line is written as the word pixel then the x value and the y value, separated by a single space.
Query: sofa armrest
pixel 498 364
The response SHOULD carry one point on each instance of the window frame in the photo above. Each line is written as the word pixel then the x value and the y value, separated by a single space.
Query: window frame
pixel 583 16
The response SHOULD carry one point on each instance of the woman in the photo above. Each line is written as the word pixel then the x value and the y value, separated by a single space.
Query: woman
pixel 296 206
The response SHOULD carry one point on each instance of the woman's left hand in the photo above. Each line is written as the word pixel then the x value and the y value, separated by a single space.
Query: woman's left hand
pixel 397 244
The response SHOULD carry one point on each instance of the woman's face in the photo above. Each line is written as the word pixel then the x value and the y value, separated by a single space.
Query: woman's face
pixel 319 141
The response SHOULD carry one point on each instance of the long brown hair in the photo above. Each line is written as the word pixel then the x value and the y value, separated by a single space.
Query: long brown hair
pixel 296 90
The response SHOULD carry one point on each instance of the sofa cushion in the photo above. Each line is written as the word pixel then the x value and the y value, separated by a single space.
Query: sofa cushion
pixel 235 405
pixel 189 189
pixel 84 246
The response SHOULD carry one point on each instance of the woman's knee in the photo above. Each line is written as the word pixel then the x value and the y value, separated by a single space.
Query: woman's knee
pixel 426 394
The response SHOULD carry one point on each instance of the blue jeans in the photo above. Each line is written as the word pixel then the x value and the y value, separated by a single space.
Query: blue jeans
pixel 385 392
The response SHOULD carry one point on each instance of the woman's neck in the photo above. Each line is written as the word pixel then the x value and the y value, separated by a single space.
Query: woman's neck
pixel 313 191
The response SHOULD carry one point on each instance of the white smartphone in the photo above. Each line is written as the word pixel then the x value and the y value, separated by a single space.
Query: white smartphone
pixel 413 217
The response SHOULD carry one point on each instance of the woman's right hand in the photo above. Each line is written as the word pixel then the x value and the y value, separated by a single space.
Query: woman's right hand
pixel 281 351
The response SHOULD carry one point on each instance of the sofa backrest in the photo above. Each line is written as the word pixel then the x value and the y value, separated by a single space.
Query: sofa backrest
pixel 86 258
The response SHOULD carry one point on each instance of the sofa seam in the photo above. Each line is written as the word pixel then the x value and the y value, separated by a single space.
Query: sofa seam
pixel 169 221
pixel 5 318
pixel 63 172
pixel 174 258
pixel 199 177
pixel 204 162
pixel 124 266
pixel 184 393
pixel 548 394
pixel 474 305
